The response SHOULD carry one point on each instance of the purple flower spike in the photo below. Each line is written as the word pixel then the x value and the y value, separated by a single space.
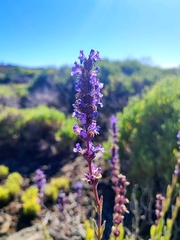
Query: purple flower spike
pixel 77 148
pixel 94 55
pixel 76 70
pixel 177 167
pixel 114 161
pixel 178 135
pixel 78 188
pixel 40 180
pixel 82 57
pixel 159 207
pixel 88 98
pixel 93 178
pixel 114 128
pixel 61 201
pixel 176 171
pixel 120 186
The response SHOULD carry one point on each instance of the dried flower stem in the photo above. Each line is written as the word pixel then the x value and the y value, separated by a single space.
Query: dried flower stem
pixel 119 181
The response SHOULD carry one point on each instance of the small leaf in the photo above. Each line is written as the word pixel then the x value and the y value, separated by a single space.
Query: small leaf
pixel 152 231
pixel 166 205
pixel 95 226
pixel 169 223
pixel 169 191
pixel 121 229
pixel 178 202
pixel 160 226
pixel 102 228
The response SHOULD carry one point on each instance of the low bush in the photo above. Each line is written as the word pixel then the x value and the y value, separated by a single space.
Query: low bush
pixel 31 208
pixel 25 129
pixel 31 193
pixel 148 128
pixel 29 198
pixel 60 183
pixel 15 177
pixel 53 188
pixel 13 187
pixel 51 193
pixel 65 136
pixel 4 171
pixel 4 195
pixel 13 182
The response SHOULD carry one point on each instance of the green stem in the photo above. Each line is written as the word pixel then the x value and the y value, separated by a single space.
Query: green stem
pixel 97 201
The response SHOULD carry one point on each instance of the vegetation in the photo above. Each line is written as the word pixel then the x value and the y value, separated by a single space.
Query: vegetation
pixel 53 188
pixel 4 195
pixel 148 129
pixel 4 171
pixel 54 87
pixel 35 109
pixel 22 129
pixel 30 202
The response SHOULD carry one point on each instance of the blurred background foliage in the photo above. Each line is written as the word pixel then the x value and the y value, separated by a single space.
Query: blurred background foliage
pixel 149 125
pixel 36 108
pixel 36 129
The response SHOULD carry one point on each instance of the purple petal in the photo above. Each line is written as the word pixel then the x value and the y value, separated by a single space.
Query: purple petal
pixel 77 148
pixel 83 134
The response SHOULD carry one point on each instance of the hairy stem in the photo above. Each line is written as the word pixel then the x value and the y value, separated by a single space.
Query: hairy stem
pixel 97 201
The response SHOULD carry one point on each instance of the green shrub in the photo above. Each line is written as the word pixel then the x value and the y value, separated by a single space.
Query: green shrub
pixel 21 89
pixel 51 193
pixel 13 187
pixel 15 177
pixel 148 128
pixel 4 171
pixel 30 202
pixel 31 193
pixel 52 189
pixel 4 195
pixel 90 231
pixel 60 183
pixel 31 208
pixel 26 126
pixel 13 182
pixel 107 145
pixel 6 91
pixel 65 135
pixel 29 124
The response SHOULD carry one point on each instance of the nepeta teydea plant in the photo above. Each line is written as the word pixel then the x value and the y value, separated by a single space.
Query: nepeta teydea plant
pixel 40 180
pixel 119 184
pixel 88 97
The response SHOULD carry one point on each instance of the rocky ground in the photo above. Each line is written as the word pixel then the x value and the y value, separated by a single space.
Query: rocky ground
pixel 68 225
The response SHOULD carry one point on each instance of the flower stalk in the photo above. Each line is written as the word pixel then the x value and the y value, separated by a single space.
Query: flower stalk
pixel 88 97
pixel 119 183
pixel 40 180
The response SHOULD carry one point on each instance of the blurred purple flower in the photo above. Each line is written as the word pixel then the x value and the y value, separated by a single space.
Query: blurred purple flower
pixel 120 188
pixel 93 178
pixel 78 189
pixel 159 207
pixel 61 201
pixel 40 180
pixel 178 135
pixel 114 161
pixel 114 128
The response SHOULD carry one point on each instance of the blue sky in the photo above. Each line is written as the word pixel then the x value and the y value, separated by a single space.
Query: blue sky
pixel 51 32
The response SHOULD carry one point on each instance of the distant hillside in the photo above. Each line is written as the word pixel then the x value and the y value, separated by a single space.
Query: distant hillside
pixel 54 87
pixel 16 74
